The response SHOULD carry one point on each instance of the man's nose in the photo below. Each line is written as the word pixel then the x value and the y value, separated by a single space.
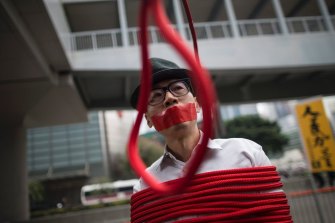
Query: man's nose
pixel 170 99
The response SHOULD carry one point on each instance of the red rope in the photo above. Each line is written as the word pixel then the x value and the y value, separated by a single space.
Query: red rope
pixel 190 24
pixel 201 80
pixel 216 175
pixel 237 195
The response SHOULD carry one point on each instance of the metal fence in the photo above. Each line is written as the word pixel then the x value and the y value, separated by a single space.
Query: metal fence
pixel 96 40
pixel 308 205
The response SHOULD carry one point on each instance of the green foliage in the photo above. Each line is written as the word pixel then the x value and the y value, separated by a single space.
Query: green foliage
pixel 154 136
pixel 120 168
pixel 36 191
pixel 264 132
pixel 150 151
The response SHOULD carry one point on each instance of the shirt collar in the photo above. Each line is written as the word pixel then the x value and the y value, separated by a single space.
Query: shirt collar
pixel 168 155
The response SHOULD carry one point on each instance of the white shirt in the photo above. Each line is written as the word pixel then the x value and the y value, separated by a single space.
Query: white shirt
pixel 222 154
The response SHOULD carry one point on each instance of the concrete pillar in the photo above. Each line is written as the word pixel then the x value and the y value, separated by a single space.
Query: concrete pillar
pixel 123 22
pixel 179 18
pixel 280 15
pixel 14 205
pixel 232 18
pixel 325 14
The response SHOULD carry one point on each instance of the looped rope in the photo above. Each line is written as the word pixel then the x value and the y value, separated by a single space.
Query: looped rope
pixel 201 80
pixel 237 195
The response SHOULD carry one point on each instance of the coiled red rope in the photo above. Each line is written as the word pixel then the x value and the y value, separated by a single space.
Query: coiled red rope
pixel 200 79
pixel 237 195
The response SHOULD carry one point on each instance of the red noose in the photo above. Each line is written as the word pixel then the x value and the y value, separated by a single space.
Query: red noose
pixel 201 80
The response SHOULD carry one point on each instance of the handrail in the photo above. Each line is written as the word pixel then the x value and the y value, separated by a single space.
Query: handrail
pixel 83 33
pixel 111 38
pixel 305 24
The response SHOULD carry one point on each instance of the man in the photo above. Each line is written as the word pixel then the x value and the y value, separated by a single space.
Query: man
pixel 172 111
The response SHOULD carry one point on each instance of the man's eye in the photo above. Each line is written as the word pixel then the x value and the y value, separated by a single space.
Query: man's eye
pixel 178 87
pixel 156 94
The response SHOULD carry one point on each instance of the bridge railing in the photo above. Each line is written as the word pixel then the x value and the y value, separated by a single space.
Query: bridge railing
pixel 112 38
pixel 306 24
pixel 211 30
pixel 93 40
pixel 259 27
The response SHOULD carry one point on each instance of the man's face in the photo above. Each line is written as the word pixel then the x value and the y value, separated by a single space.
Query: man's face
pixel 169 100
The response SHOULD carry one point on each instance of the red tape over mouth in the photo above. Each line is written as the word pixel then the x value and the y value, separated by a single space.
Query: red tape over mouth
pixel 174 115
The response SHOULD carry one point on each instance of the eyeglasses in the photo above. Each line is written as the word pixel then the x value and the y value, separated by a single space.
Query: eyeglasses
pixel 177 88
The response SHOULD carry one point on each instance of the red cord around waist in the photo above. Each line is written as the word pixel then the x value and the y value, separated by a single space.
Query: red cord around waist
pixel 238 195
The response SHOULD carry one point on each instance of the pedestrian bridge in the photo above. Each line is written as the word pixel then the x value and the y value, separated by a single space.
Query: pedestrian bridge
pixel 260 64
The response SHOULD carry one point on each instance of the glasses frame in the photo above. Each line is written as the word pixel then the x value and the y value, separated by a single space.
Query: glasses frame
pixel 186 81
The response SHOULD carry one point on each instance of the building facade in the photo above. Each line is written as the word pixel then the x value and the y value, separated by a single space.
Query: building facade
pixel 65 157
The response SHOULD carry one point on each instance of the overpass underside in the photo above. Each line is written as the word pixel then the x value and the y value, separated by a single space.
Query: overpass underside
pixel 257 50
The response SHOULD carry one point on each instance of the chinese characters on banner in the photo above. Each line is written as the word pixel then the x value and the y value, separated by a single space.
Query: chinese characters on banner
pixel 316 134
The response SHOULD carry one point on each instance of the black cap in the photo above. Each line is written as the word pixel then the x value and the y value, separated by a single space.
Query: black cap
pixel 161 70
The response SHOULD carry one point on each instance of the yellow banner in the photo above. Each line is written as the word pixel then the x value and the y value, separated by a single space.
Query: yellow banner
pixel 316 134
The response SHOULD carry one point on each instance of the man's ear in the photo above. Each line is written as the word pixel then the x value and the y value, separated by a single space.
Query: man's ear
pixel 149 123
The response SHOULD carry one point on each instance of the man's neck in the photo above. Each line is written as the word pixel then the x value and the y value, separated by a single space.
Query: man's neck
pixel 181 147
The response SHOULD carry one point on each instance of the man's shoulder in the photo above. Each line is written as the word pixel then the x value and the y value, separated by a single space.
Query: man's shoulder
pixel 220 143
pixel 240 149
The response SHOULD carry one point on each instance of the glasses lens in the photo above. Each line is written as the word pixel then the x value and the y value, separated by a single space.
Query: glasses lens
pixel 156 96
pixel 178 89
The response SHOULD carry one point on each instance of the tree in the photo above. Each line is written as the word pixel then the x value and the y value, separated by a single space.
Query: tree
pixel 37 196
pixel 150 150
pixel 36 191
pixel 264 132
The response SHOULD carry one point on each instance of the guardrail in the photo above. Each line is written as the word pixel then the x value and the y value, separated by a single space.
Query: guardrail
pixel 306 24
pixel 259 27
pixel 96 40
pixel 211 30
